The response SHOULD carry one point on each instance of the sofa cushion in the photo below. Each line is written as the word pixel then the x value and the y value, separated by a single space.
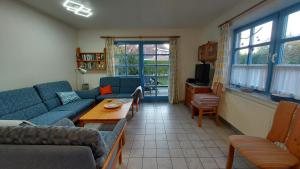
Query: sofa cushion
pixel 110 96
pixel 106 90
pixel 77 107
pixel 21 104
pixel 51 117
pixel 26 113
pixel 47 91
pixel 113 81
pixel 67 97
pixel 129 84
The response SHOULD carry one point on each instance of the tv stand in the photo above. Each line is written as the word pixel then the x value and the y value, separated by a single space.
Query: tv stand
pixel 191 89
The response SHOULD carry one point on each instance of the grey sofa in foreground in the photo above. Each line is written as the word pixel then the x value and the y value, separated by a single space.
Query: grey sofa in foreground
pixel 61 147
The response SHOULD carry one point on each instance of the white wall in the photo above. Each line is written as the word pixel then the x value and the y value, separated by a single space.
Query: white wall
pixel 34 48
pixel 250 115
pixel 90 41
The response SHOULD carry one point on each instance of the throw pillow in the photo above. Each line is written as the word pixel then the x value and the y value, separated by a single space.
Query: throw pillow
pixel 106 90
pixel 67 97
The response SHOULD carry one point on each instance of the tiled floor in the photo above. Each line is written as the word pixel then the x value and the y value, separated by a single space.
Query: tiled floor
pixel 163 136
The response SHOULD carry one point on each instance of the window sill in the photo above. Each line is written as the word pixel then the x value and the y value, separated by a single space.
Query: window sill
pixel 255 97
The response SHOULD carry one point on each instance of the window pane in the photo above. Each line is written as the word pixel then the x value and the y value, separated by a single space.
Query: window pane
pixel 263 33
pixel 149 49
pixel 120 49
pixel 132 49
pixel 133 59
pixel 162 70
pixel 244 38
pixel 150 70
pixel 293 25
pixel 241 56
pixel 120 71
pixel 260 55
pixel 163 48
pixel 163 81
pixel 120 60
pixel 133 70
pixel 149 59
pixel 163 59
pixel 291 52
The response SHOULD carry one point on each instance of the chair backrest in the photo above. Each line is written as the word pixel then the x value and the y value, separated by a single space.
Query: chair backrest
pixel 215 88
pixel 293 140
pixel 282 121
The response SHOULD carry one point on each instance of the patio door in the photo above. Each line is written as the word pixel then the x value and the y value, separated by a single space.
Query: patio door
pixel 148 60
pixel 156 70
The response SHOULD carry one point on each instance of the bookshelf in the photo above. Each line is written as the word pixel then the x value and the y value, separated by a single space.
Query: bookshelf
pixel 91 61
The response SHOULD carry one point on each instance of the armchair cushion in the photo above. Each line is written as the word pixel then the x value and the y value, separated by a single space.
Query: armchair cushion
pixel 52 135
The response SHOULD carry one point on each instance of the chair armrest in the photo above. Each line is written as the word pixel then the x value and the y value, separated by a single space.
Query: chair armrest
pixel 46 157
pixel 88 94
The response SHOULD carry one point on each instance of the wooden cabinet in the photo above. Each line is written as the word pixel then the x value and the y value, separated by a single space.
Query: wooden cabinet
pixel 191 89
pixel 208 52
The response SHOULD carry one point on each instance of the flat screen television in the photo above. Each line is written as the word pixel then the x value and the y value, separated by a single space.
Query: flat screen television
pixel 202 74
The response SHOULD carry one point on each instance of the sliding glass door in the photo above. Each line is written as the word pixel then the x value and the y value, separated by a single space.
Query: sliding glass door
pixel 148 60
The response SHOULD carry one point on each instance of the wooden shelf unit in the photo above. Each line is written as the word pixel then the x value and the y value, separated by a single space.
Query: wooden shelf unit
pixel 208 52
pixel 91 61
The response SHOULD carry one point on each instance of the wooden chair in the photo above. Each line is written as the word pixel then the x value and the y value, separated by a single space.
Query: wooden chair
pixel 207 103
pixel 263 153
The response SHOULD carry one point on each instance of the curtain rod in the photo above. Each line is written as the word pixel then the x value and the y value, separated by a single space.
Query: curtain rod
pixel 242 13
pixel 140 37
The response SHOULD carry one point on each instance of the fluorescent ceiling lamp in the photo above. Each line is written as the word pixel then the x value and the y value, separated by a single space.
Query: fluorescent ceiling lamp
pixel 77 8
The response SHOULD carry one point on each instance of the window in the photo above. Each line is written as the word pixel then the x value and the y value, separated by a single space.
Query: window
pixel 266 54
pixel 127 59
pixel 146 59
pixel 252 48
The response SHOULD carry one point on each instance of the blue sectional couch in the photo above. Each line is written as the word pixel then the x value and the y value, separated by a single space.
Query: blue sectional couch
pixel 122 87
pixel 40 104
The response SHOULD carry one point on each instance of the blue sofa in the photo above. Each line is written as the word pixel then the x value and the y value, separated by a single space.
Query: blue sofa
pixel 40 104
pixel 122 87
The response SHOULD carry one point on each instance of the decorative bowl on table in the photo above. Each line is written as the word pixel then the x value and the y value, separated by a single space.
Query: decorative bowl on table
pixel 112 105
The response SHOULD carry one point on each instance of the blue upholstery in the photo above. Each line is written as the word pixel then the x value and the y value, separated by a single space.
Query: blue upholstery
pixel 88 94
pixel 118 96
pixel 47 91
pixel 20 104
pixel 65 122
pixel 51 117
pixel 129 84
pixel 113 81
pixel 77 107
pixel 110 138
pixel 124 86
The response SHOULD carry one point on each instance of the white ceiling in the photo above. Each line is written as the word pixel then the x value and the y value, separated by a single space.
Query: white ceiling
pixel 116 14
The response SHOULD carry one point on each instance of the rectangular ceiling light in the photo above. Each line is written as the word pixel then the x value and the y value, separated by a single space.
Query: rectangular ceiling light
pixel 77 8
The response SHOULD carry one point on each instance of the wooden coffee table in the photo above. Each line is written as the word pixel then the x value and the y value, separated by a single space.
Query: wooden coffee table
pixel 99 114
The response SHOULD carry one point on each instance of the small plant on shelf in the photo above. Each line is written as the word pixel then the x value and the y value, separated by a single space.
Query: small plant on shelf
pixel 91 61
